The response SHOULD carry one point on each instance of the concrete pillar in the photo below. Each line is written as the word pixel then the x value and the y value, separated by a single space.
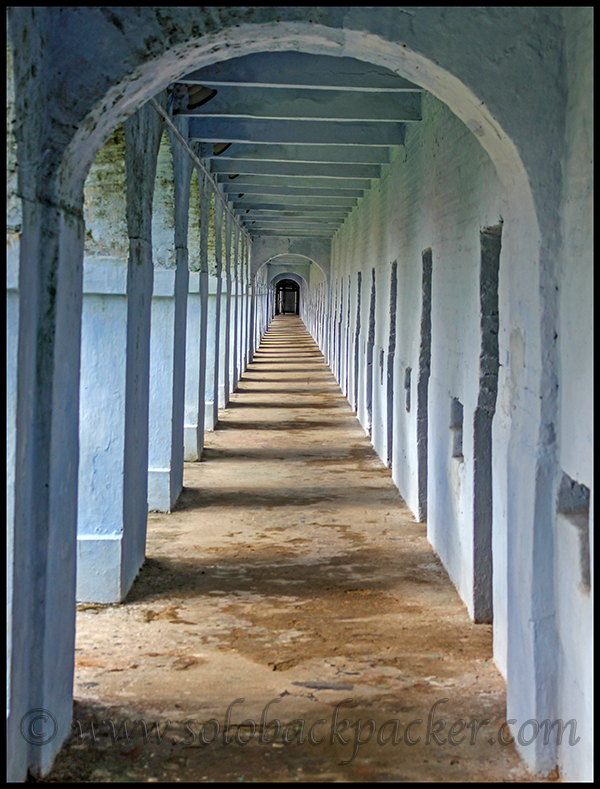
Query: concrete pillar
pixel 225 350
pixel 12 322
pixel 212 338
pixel 113 465
pixel 262 309
pixel 257 292
pixel 214 326
pixel 205 196
pixel 14 221
pixel 103 379
pixel 247 300
pixel 265 306
pixel 192 368
pixel 242 309
pixel 46 461
pixel 46 443
pixel 162 477
pixel 196 340
pixel 103 387
pixel 142 139
pixel 218 321
pixel 246 292
pixel 234 377
pixel 192 344
pixel 167 350
pixel 252 319
pixel 240 314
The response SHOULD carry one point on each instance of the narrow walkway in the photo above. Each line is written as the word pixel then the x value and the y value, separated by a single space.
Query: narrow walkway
pixel 292 570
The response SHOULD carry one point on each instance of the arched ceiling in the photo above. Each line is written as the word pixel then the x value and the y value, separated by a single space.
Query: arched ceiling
pixel 306 134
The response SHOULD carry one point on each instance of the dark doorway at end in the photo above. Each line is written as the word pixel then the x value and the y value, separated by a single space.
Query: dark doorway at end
pixel 287 298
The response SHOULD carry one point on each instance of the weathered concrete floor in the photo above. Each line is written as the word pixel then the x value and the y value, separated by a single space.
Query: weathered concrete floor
pixel 291 569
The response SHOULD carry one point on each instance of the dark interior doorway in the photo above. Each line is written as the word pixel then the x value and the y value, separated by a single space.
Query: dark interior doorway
pixel 287 298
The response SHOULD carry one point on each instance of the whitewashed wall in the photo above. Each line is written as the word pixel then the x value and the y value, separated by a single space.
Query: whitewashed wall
pixel 575 336
pixel 439 192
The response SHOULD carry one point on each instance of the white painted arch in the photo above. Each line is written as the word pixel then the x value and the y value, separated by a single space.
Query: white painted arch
pixel 297 278
pixel 124 70
pixel 519 209
pixel 137 87
pixel 236 40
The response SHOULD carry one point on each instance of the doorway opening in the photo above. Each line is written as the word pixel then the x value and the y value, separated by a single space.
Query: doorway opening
pixel 287 298
pixel 489 363
pixel 423 381
pixel 370 346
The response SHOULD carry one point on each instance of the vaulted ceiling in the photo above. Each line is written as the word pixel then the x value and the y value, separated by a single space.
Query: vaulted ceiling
pixel 293 139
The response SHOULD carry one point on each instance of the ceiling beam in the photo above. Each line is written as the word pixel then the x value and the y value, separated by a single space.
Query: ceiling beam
pixel 324 215
pixel 305 220
pixel 250 189
pixel 299 69
pixel 315 170
pixel 287 131
pixel 288 180
pixel 356 154
pixel 289 233
pixel 291 221
pixel 306 104
pixel 284 231
pixel 243 213
pixel 288 203
pixel 295 223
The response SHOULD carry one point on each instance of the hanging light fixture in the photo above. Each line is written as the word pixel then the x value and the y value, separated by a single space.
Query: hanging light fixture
pixel 219 147
pixel 199 95
pixel 190 97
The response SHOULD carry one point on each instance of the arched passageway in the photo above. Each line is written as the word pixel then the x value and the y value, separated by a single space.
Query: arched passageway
pixel 448 253
pixel 279 578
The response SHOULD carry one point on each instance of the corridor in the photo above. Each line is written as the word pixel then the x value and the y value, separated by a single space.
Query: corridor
pixel 290 570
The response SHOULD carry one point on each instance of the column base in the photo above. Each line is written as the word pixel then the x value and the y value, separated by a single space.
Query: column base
pixel 100 563
pixel 159 490
pixel 190 442
pixel 210 416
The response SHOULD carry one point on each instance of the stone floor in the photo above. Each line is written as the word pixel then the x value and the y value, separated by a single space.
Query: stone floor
pixel 290 572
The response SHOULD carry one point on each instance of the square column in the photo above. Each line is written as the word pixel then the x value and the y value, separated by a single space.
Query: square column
pixel 113 436
pixel 219 328
pixel 45 444
pixel 111 521
pixel 12 336
pixel 225 344
pixel 192 369
pixel 212 339
pixel 196 338
pixel 243 311
pixel 167 343
pixel 103 385
pixel 235 339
